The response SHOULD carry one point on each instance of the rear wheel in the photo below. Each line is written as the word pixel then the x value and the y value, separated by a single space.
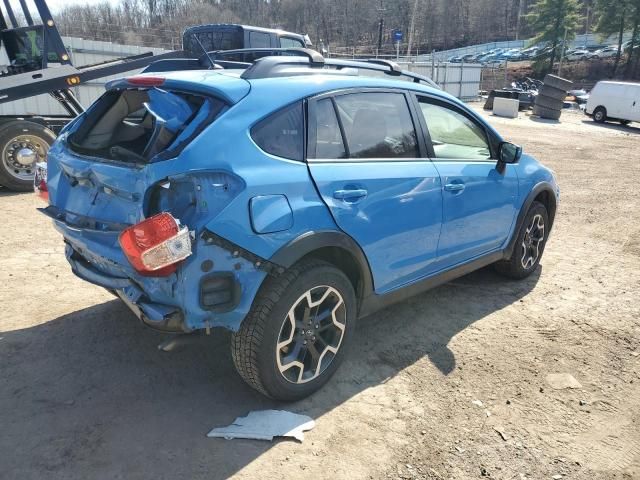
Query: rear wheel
pixel 297 332
pixel 600 115
pixel 530 244
pixel 22 145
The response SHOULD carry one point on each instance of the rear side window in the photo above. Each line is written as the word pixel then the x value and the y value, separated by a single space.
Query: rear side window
pixel 143 125
pixel 377 125
pixel 215 39
pixel 287 42
pixel 259 40
pixel 329 143
pixel 282 133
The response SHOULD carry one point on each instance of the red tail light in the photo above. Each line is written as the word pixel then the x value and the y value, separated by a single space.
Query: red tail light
pixel 156 245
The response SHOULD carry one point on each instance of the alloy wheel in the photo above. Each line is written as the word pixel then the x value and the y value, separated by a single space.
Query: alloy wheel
pixel 311 334
pixel 21 153
pixel 533 238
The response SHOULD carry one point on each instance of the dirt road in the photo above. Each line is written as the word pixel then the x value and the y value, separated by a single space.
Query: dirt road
pixel 85 393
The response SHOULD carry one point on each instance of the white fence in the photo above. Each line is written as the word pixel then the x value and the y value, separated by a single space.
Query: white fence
pixel 461 80
pixel 82 52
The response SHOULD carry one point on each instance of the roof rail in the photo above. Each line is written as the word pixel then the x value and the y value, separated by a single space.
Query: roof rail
pixel 314 57
pixel 284 65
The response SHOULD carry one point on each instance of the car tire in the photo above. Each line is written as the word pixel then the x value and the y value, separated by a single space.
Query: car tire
pixel 529 245
pixel 552 92
pixel 625 122
pixel 600 115
pixel 548 102
pixel 557 82
pixel 285 349
pixel 22 136
pixel 547 113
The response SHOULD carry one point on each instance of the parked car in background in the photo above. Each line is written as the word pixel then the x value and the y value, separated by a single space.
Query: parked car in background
pixel 286 200
pixel 606 52
pixel 577 55
pixel 618 101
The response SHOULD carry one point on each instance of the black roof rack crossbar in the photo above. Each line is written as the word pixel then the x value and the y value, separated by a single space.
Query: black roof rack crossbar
pixel 314 57
pixel 282 65
pixel 393 66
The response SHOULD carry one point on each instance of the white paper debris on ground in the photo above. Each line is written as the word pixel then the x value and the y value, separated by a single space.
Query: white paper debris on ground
pixel 559 381
pixel 266 424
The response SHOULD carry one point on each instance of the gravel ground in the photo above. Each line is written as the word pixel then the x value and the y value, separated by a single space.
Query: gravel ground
pixel 450 384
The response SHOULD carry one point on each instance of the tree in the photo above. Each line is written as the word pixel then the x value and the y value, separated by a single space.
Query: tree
pixel 613 17
pixel 554 20
pixel 634 43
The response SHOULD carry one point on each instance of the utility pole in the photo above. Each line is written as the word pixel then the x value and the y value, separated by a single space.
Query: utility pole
pixel 562 52
pixel 518 19
pixel 412 26
pixel 380 9
pixel 587 24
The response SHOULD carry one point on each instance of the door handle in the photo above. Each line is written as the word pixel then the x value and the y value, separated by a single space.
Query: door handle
pixel 454 187
pixel 350 194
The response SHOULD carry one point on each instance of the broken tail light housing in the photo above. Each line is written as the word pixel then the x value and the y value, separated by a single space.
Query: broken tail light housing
pixel 155 246
pixel 40 181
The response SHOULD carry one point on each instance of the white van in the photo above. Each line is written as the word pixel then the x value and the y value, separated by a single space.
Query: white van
pixel 614 101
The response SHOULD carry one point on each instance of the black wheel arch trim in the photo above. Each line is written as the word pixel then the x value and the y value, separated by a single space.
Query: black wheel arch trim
pixel 369 301
pixel 310 242
pixel 551 211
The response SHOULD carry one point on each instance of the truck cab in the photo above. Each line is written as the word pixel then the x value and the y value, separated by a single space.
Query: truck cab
pixel 215 37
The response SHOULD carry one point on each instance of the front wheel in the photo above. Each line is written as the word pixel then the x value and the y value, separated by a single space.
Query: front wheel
pixel 297 332
pixel 530 244
pixel 600 115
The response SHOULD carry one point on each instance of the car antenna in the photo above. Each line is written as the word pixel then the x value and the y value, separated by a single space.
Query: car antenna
pixel 213 64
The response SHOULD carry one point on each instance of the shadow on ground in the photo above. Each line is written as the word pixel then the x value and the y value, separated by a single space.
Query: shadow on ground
pixel 632 128
pixel 89 395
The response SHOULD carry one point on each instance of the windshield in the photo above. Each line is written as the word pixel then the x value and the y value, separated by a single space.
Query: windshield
pixel 142 125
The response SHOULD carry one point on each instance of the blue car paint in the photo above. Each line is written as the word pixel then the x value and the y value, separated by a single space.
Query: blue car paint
pixel 477 219
pixel 397 223
pixel 227 171
pixel 270 213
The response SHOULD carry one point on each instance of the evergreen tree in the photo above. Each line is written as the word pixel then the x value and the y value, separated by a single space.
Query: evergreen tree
pixel 613 18
pixel 553 19
pixel 634 44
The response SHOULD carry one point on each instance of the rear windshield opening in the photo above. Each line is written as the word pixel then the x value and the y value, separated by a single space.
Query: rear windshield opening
pixel 143 125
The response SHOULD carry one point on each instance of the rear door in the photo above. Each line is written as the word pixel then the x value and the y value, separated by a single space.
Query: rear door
pixel 365 157
pixel 479 203
pixel 633 95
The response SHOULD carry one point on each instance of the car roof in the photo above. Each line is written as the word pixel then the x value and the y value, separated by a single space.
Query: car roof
pixel 228 85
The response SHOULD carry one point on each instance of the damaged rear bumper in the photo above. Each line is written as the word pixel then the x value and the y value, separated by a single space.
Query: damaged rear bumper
pixel 166 318
pixel 214 287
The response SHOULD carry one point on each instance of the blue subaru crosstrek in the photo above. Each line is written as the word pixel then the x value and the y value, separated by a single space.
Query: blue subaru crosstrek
pixel 285 199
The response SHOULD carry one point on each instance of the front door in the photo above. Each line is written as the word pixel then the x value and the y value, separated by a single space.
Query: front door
pixel 479 203
pixel 365 160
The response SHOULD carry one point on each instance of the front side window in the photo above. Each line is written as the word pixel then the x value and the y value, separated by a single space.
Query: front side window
pixel 282 133
pixel 377 125
pixel 454 135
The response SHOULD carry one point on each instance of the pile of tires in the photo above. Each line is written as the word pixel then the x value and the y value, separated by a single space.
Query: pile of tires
pixel 550 100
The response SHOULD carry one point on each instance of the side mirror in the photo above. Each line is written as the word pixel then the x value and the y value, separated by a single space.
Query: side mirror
pixel 509 153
